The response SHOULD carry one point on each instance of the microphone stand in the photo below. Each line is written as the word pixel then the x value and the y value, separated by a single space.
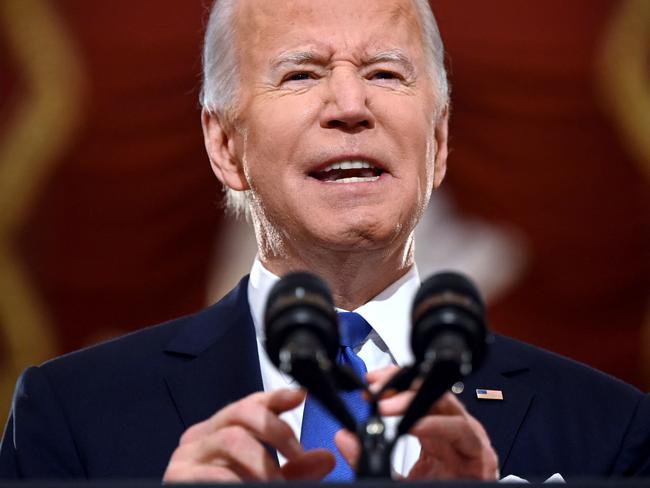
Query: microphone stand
pixel 439 373
pixel 376 450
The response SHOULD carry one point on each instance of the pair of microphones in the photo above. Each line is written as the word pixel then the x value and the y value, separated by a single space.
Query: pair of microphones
pixel 449 340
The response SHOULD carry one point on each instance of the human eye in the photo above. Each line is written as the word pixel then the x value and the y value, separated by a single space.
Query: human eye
pixel 298 76
pixel 386 75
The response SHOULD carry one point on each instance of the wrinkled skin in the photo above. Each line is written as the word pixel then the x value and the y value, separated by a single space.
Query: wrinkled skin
pixel 324 81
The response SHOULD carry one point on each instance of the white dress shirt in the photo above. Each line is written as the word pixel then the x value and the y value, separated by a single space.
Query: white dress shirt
pixel 388 343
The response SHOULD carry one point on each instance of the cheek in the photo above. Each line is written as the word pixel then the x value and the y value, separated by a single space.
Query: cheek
pixel 277 129
pixel 410 123
pixel 420 149
pixel 287 111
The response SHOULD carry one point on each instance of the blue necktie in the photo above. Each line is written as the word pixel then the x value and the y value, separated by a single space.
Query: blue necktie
pixel 318 426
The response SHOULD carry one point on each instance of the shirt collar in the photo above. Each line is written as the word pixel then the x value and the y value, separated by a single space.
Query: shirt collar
pixel 259 285
pixel 388 313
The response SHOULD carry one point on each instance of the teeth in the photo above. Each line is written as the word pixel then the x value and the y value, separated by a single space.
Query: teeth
pixel 356 180
pixel 349 165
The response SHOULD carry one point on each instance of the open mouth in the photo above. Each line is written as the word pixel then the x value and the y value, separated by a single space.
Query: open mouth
pixel 348 172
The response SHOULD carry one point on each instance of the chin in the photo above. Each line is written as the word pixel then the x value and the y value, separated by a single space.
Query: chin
pixel 370 235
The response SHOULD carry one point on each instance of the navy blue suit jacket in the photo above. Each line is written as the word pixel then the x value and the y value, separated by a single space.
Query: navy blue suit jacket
pixel 117 410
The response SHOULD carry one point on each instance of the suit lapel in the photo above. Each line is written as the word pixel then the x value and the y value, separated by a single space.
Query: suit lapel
pixel 213 360
pixel 501 418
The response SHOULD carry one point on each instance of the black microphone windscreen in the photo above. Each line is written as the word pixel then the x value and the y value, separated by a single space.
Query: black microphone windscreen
pixel 449 302
pixel 300 302
pixel 446 283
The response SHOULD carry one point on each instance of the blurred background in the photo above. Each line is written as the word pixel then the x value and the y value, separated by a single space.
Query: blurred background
pixel 111 219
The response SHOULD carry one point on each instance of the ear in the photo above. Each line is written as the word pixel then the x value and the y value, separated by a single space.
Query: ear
pixel 220 146
pixel 441 134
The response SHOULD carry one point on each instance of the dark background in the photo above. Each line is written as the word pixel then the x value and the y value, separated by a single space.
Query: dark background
pixel 110 218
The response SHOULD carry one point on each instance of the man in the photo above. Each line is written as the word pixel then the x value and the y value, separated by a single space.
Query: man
pixel 331 118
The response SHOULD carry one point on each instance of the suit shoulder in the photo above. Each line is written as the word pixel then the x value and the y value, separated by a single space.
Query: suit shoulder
pixel 189 334
pixel 553 370
pixel 140 345
pixel 144 348
pixel 579 421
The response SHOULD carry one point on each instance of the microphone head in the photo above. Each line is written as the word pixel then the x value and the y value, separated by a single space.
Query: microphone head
pixel 449 302
pixel 300 301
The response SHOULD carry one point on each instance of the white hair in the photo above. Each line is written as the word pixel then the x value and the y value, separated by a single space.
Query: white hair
pixel 219 94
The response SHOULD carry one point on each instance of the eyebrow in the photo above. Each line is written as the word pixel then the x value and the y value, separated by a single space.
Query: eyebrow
pixel 296 57
pixel 312 57
pixel 392 56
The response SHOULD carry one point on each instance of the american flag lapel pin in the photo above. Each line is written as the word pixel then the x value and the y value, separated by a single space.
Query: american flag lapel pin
pixel 482 394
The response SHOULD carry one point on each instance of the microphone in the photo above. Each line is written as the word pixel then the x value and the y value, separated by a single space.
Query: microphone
pixel 448 317
pixel 449 338
pixel 302 338
pixel 300 321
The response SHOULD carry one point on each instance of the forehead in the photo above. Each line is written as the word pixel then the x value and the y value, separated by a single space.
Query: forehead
pixel 267 27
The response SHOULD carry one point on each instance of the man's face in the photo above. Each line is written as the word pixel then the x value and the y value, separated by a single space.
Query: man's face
pixel 335 132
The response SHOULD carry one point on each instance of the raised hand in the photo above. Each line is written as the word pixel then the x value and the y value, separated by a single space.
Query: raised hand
pixel 454 444
pixel 228 447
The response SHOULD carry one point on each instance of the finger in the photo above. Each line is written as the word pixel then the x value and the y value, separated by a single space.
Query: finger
pixel 382 375
pixel 348 444
pixel 188 473
pixel 312 465
pixel 448 404
pixel 195 432
pixel 396 404
pixel 453 446
pixel 282 400
pixel 235 448
pixel 277 401
pixel 454 431
pixel 378 378
pixel 258 414
pixel 426 468
pixel 384 394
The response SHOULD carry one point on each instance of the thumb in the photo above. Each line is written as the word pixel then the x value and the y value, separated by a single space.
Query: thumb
pixel 309 466
pixel 348 444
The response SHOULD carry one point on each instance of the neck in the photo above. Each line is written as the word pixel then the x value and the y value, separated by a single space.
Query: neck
pixel 353 277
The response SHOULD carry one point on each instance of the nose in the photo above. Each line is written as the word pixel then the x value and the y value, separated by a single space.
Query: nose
pixel 346 106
